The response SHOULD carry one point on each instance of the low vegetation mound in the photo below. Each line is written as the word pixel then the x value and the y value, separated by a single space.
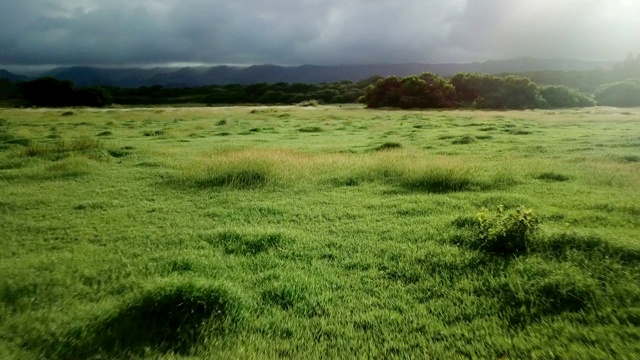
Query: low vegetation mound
pixel 172 317
pixel 622 94
pixel 533 289
pixel 389 146
pixel 238 243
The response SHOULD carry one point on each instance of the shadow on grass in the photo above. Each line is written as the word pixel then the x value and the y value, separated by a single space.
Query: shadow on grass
pixel 240 179
pixel 170 318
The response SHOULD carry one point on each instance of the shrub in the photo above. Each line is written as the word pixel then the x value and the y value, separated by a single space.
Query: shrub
pixel 426 90
pixel 623 94
pixel 559 96
pixel 504 232
pixel 494 92
pixel 238 179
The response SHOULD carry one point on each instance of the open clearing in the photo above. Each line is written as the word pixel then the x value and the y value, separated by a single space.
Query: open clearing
pixel 320 232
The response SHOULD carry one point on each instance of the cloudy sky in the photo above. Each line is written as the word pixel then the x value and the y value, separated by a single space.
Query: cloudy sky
pixel 327 32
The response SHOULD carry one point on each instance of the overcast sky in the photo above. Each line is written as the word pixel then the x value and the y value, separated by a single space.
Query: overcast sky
pixel 328 32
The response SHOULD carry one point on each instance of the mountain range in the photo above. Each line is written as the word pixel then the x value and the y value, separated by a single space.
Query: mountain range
pixel 223 75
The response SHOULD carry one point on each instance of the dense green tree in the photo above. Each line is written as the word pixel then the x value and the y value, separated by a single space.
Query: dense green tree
pixel 516 92
pixel 9 92
pixel 623 94
pixel 469 87
pixel 385 92
pixel 426 90
pixel 48 92
pixel 93 97
pixel 560 96
pixel 495 92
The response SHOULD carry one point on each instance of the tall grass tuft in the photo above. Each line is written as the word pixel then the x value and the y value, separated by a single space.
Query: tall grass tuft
pixel 62 148
pixel 238 243
pixel 441 180
pixel 73 166
pixel 534 289
pixel 170 317
pixel 244 170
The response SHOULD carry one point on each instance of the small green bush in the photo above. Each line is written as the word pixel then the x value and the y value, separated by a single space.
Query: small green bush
pixel 504 232
pixel 622 94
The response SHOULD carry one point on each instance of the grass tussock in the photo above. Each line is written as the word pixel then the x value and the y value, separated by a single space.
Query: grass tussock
pixel 245 170
pixel 467 139
pixel 284 295
pixel 70 167
pixel 62 148
pixel 252 169
pixel 389 146
pixel 310 129
pixel 234 242
pixel 553 177
pixel 533 289
pixel 66 168
pixel 171 317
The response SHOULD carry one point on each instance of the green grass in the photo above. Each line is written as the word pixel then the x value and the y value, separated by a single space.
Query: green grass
pixel 319 232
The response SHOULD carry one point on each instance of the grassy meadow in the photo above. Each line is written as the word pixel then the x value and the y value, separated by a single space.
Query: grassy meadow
pixel 319 232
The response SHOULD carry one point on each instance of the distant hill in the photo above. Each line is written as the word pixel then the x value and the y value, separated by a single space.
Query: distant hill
pixel 223 75
pixel 4 74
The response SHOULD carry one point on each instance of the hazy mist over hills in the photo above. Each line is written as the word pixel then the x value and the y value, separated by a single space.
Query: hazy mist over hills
pixel 221 75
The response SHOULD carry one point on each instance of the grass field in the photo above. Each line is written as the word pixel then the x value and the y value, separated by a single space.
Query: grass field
pixel 319 232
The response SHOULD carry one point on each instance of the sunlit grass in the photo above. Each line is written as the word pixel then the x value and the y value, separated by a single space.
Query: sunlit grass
pixel 278 240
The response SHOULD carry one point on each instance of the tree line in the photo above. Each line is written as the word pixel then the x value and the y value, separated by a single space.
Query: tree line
pixel 427 90
pixel 51 92
pixel 470 90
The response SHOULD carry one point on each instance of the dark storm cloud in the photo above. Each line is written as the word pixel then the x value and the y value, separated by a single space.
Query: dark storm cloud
pixel 118 32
